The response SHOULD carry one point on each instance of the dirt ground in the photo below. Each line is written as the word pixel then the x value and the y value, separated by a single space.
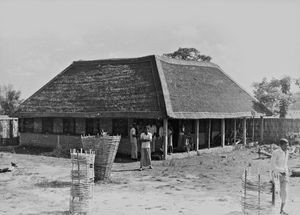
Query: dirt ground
pixel 203 184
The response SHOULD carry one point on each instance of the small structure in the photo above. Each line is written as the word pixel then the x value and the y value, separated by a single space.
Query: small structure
pixel 82 187
pixel 258 194
pixel 9 133
pixel 105 148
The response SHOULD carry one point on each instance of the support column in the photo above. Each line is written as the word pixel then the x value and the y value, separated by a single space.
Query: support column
pixel 209 133
pixel 253 129
pixel 197 134
pixel 244 131
pixel 223 132
pixel 261 130
pixel 234 131
pixel 165 138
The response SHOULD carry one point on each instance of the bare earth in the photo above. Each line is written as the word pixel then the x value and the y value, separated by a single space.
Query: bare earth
pixel 204 184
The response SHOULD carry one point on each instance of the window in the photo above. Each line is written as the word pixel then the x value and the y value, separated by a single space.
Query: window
pixel 120 127
pixel 27 125
pixel 47 125
pixel 69 126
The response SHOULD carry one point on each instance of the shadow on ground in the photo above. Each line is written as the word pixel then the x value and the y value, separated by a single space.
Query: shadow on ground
pixel 52 213
pixel 53 184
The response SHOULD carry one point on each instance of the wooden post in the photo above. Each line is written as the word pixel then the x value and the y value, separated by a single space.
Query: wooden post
pixel 165 138
pixel 259 192
pixel 58 141
pixel 209 133
pixel 244 131
pixel 273 193
pixel 223 132
pixel 197 134
pixel 253 129
pixel 234 131
pixel 245 190
pixel 261 130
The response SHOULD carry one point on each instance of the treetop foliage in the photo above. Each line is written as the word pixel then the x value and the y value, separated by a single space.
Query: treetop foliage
pixel 9 100
pixel 191 54
pixel 275 94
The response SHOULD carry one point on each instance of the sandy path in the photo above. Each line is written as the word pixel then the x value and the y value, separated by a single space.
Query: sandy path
pixel 206 184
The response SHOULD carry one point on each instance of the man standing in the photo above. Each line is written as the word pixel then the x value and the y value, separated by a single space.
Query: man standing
pixel 133 142
pixel 280 170
pixel 153 131
pixel 145 139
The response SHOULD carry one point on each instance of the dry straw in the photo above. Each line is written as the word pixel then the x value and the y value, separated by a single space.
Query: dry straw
pixel 82 176
pixel 106 148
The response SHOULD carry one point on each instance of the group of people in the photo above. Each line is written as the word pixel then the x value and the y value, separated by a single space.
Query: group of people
pixel 148 136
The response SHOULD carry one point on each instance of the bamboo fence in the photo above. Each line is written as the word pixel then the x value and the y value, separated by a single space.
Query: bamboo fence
pixel 82 187
pixel 258 195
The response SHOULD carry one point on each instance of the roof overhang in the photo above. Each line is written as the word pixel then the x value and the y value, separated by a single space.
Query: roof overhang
pixel 106 114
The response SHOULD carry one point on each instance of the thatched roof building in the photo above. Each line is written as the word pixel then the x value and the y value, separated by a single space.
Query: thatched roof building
pixel 151 87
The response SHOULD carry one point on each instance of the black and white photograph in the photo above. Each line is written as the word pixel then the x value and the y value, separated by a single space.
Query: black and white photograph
pixel 161 107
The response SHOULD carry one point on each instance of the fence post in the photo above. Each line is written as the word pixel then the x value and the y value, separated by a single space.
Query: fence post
pixel 223 132
pixel 261 130
pixel 209 134
pixel 244 131
pixel 197 134
pixel 234 131
pixel 253 129
pixel 165 126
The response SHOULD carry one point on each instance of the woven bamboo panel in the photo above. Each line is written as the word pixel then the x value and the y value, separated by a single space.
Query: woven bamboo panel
pixel 106 148
pixel 275 128
pixel 82 188
pixel 258 195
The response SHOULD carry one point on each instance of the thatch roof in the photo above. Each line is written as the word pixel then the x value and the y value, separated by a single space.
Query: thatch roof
pixel 146 87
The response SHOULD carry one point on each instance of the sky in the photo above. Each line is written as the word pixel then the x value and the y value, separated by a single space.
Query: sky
pixel 248 39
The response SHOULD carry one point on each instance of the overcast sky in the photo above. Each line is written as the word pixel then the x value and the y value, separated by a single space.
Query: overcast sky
pixel 249 40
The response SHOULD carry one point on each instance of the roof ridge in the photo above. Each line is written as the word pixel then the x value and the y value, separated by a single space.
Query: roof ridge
pixel 82 62
pixel 186 62
pixel 202 63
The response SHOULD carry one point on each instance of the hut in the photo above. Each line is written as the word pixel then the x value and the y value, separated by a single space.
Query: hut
pixel 111 94
pixel 9 134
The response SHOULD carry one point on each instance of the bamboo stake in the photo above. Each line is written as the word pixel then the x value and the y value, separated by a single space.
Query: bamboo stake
pixel 209 133
pixel 234 131
pixel 273 193
pixel 259 193
pixel 245 189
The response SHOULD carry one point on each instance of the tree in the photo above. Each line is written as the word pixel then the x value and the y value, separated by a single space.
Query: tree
pixel 297 82
pixel 188 54
pixel 275 94
pixel 9 100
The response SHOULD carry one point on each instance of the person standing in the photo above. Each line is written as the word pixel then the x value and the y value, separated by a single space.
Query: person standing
pixel 145 139
pixel 133 142
pixel 170 140
pixel 181 139
pixel 153 131
pixel 280 171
